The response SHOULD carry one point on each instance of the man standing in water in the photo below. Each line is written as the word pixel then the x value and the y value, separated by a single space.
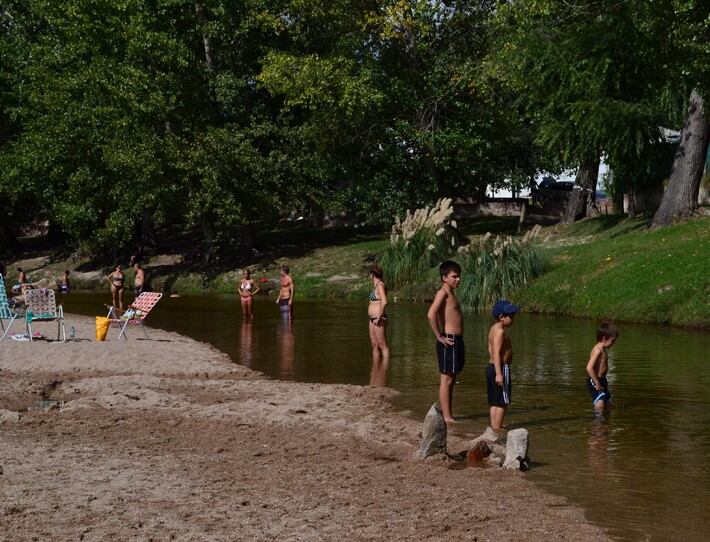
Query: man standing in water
pixel 446 321
pixel 287 290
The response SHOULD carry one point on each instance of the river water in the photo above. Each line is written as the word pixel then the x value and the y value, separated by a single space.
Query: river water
pixel 642 471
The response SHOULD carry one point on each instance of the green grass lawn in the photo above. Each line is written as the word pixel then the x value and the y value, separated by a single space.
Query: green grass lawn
pixel 623 271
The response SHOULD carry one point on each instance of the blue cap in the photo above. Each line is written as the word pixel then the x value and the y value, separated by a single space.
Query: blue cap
pixel 503 306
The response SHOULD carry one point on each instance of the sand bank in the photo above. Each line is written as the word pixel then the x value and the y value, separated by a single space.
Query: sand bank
pixel 167 439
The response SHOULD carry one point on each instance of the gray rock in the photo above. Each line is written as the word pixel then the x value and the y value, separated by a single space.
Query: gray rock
pixel 516 450
pixel 489 437
pixel 9 416
pixel 433 433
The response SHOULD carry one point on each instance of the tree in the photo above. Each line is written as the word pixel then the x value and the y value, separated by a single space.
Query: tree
pixel 592 77
pixel 690 38
pixel 680 200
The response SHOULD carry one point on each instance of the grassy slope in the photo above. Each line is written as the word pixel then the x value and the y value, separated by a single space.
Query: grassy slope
pixel 626 272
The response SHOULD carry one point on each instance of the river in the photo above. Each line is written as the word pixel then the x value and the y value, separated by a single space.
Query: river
pixel 642 471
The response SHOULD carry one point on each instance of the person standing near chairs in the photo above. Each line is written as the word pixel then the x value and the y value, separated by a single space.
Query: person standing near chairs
pixel 247 289
pixel 378 327
pixel 117 280
pixel 139 279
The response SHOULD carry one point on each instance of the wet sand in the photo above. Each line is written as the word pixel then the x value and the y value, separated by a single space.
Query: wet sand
pixel 168 439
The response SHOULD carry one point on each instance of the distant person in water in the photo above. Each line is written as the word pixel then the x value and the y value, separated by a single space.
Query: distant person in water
pixel 446 321
pixel 138 279
pixel 598 366
pixel 287 289
pixel 247 289
pixel 500 351
pixel 65 283
pixel 376 311
pixel 117 280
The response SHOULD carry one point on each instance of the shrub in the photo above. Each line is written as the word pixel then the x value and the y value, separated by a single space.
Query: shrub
pixel 494 267
pixel 419 242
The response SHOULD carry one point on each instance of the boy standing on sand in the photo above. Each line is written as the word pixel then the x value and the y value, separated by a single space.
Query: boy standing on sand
pixel 500 351
pixel 446 322
pixel 598 366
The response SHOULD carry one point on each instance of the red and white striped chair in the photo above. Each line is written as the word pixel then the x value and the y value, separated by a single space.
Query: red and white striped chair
pixel 135 313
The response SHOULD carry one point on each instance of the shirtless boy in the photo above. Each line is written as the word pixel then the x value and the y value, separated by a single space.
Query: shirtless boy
pixel 446 321
pixel 598 366
pixel 287 290
pixel 500 351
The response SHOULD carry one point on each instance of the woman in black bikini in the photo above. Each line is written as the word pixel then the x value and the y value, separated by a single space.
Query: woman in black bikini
pixel 378 328
pixel 116 280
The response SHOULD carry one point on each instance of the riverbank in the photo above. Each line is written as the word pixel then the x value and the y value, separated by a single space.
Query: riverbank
pixel 618 269
pixel 167 439
pixel 607 267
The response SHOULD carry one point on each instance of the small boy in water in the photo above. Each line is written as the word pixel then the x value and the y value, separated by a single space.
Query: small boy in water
pixel 500 350
pixel 598 366
pixel 446 320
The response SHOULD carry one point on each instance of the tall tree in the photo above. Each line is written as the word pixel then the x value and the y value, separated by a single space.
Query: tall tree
pixel 680 200
pixel 589 74
pixel 689 37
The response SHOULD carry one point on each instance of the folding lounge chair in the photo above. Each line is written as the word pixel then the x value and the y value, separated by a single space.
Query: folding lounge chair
pixel 6 313
pixel 41 306
pixel 136 312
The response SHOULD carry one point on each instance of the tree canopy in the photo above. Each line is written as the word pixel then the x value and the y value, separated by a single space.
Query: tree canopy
pixel 119 117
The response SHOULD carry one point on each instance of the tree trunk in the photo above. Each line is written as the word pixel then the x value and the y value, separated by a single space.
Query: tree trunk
pixel 206 40
pixel 680 200
pixel 148 239
pixel 583 194
pixel 208 238
pixel 246 244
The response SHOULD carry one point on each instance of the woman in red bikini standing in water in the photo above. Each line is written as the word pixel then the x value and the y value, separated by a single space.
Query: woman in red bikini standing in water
pixel 378 327
pixel 247 289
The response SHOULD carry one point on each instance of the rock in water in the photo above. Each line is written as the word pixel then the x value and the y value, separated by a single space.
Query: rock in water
pixel 433 434
pixel 516 450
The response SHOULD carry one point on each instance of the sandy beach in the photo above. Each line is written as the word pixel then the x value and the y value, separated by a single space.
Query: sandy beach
pixel 168 439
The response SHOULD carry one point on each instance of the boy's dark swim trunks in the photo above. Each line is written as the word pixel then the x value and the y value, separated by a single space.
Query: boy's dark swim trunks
pixel 498 395
pixel 451 358
pixel 602 395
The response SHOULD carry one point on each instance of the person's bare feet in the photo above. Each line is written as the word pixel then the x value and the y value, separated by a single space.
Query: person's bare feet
pixel 450 422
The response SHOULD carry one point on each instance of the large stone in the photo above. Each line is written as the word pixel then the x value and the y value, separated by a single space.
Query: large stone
pixel 433 433
pixel 9 416
pixel 489 437
pixel 516 450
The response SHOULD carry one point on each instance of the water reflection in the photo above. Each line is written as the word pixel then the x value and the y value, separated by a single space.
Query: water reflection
pixel 378 374
pixel 598 441
pixel 245 342
pixel 286 343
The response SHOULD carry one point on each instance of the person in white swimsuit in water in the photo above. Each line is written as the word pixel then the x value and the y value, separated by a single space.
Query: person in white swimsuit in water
pixel 247 289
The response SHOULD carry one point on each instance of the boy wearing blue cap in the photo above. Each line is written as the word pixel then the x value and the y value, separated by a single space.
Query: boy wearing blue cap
pixel 446 320
pixel 500 351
